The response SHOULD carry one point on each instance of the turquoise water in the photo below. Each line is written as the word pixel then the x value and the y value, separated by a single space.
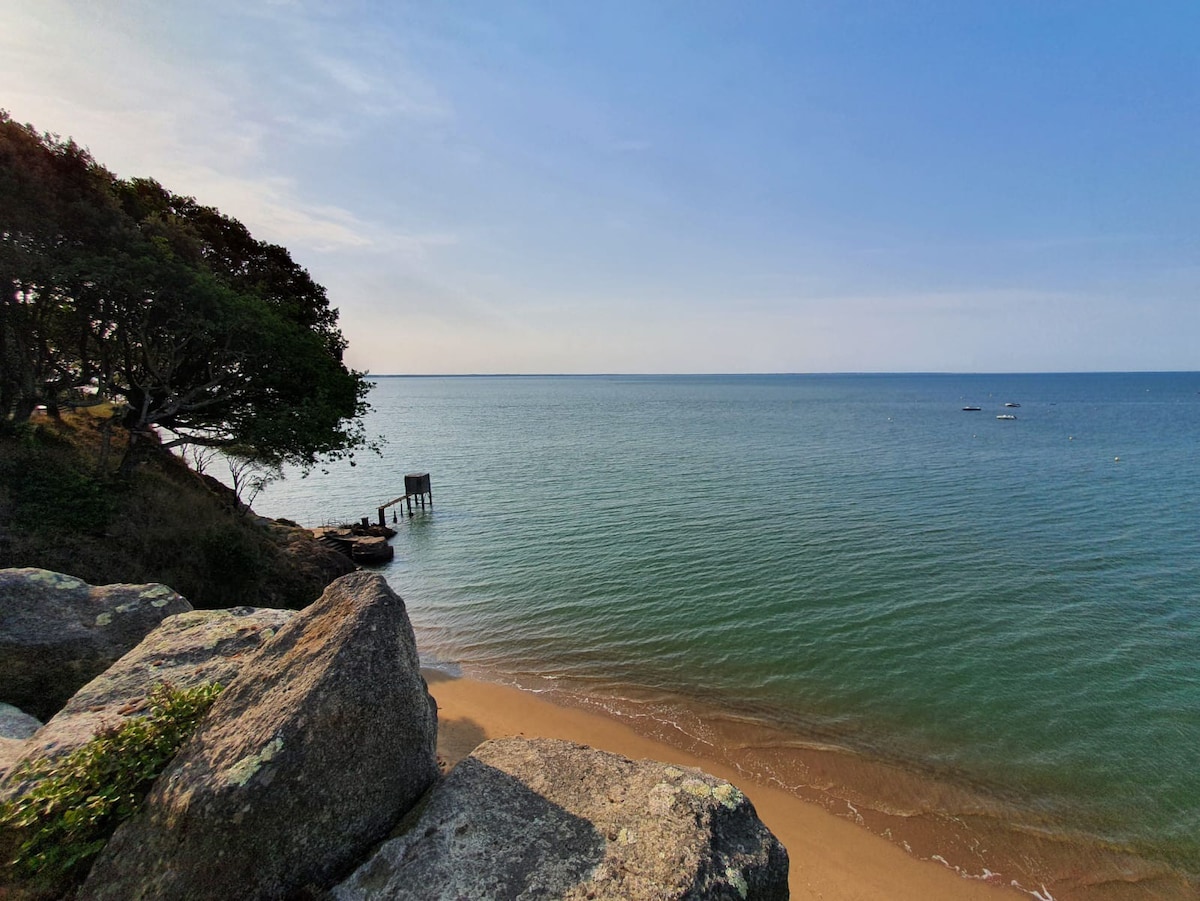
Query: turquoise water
pixel 1009 606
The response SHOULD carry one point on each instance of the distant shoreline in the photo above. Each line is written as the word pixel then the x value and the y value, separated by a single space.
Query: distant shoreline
pixel 735 375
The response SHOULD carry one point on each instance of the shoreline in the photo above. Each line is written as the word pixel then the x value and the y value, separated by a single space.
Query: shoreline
pixel 831 857
pixel 848 822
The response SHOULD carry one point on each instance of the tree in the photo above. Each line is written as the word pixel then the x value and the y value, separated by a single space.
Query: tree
pixel 250 477
pixel 59 224
pixel 166 307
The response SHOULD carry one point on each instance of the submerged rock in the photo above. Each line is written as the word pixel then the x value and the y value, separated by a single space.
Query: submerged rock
pixel 306 760
pixel 57 632
pixel 544 819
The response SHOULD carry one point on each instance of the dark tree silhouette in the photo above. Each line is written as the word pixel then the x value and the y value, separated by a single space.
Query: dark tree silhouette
pixel 168 309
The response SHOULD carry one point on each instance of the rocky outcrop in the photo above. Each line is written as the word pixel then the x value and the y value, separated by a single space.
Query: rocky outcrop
pixel 185 650
pixel 307 759
pixel 361 543
pixel 324 740
pixel 57 633
pixel 542 819
pixel 308 563
pixel 371 550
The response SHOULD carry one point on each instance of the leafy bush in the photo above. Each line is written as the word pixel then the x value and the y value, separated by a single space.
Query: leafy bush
pixel 47 498
pixel 65 818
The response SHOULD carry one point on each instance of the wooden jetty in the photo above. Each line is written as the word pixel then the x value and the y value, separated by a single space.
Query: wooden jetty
pixel 416 484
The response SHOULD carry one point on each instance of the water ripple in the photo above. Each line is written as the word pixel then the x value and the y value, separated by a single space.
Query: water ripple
pixel 851 559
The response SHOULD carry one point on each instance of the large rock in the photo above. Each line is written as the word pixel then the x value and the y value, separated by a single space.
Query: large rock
pixel 306 569
pixel 15 728
pixel 17 725
pixel 543 819
pixel 306 760
pixel 185 650
pixel 57 632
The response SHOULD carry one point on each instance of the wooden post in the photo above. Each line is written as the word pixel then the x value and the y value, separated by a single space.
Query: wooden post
pixel 366 521
pixel 408 497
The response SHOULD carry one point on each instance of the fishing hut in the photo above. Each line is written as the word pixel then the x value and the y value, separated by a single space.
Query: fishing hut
pixel 416 485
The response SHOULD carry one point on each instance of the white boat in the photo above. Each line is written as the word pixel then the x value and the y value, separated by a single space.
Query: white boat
pixel 1006 416
pixel 1010 404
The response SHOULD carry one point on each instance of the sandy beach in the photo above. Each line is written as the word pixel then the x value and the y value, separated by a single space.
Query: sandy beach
pixel 832 858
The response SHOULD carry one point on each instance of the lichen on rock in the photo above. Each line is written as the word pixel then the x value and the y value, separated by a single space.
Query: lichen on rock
pixel 543 819
pixel 312 753
pixel 57 632
pixel 246 768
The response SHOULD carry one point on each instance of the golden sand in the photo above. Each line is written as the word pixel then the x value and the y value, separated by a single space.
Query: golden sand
pixel 832 858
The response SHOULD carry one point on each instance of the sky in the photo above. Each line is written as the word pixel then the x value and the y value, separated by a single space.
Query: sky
pixel 672 187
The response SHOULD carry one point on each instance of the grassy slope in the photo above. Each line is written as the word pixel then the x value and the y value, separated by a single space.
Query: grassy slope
pixel 163 524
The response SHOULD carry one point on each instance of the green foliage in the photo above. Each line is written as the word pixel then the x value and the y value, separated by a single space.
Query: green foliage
pixel 49 495
pixel 78 800
pixel 161 523
pixel 167 308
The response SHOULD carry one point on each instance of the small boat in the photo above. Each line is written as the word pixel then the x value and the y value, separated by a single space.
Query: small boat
pixel 973 409
pixel 1012 405
pixel 1006 416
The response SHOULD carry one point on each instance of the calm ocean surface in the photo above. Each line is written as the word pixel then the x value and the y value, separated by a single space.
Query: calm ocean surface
pixel 1006 612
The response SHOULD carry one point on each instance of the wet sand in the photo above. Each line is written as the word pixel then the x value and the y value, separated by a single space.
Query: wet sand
pixel 832 857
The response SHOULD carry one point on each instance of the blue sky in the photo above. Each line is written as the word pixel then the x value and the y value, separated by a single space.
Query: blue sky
pixel 968 185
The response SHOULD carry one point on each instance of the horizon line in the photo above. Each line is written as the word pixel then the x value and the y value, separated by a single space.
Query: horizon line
pixel 845 372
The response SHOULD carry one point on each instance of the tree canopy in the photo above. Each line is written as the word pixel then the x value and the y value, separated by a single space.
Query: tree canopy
pixel 167 308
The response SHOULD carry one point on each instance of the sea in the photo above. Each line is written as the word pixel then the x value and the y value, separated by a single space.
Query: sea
pixel 976 636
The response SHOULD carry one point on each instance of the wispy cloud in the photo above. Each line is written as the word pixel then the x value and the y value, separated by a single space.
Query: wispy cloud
pixel 274 210
pixel 380 89
pixel 501 189
pixel 191 131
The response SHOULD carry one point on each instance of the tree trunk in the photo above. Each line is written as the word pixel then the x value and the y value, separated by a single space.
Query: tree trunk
pixel 141 447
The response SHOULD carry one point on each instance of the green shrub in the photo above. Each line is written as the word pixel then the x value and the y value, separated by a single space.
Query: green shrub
pixel 50 497
pixel 77 801
pixel 47 492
